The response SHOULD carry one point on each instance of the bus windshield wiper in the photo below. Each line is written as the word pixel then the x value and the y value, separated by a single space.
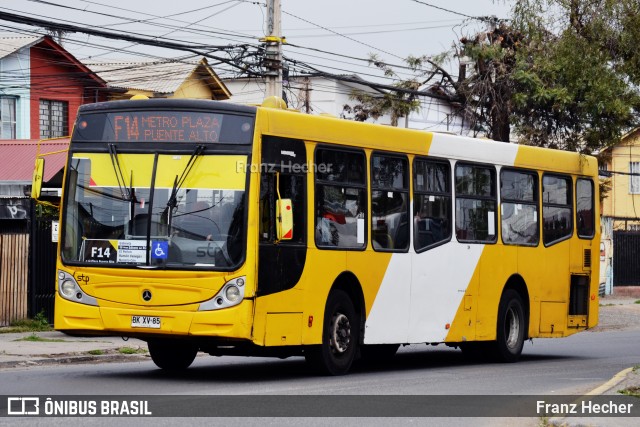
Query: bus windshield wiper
pixel 178 182
pixel 127 193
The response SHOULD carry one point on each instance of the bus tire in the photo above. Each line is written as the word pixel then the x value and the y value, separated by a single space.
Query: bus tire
pixel 172 355
pixel 340 336
pixel 511 328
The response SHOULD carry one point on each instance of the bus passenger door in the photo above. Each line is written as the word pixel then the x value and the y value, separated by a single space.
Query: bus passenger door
pixel 281 262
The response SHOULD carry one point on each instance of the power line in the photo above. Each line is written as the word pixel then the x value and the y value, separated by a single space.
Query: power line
pixel 109 35
pixel 341 35
pixel 450 11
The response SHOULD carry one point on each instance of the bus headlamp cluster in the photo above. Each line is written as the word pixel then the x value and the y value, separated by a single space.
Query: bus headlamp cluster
pixel 232 293
pixel 69 289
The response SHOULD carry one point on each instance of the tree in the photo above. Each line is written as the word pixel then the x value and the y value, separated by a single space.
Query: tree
pixel 576 77
pixel 561 73
pixel 396 103
pixel 488 89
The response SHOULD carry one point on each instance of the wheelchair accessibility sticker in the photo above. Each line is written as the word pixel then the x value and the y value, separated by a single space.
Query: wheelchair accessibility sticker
pixel 159 249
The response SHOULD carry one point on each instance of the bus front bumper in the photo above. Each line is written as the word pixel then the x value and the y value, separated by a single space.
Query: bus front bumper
pixel 232 322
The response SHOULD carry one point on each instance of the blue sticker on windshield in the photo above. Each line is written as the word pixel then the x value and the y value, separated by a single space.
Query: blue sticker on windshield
pixel 159 249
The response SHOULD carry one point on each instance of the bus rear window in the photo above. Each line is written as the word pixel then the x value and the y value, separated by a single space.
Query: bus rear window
pixel 163 126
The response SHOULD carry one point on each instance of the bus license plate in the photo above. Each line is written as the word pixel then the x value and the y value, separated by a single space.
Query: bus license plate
pixel 145 322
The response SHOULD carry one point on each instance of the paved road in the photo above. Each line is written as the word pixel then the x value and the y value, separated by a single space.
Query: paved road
pixel 572 365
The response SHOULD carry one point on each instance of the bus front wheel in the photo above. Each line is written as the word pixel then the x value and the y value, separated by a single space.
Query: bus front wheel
pixel 172 355
pixel 341 332
pixel 511 330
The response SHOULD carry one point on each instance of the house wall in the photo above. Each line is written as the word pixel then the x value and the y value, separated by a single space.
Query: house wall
pixel 52 80
pixel 15 70
pixel 436 115
pixel 317 95
pixel 193 88
pixel 620 203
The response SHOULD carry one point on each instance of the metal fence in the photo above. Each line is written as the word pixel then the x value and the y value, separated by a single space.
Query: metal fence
pixel 626 258
pixel 43 268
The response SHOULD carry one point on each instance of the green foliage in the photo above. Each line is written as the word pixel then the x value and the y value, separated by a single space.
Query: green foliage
pixel 96 352
pixel 397 103
pixel 38 324
pixel 131 350
pixel 36 338
pixel 47 210
pixel 572 78
pixel 630 391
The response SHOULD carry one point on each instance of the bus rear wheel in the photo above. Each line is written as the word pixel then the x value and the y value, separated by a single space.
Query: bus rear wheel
pixel 511 330
pixel 172 355
pixel 340 336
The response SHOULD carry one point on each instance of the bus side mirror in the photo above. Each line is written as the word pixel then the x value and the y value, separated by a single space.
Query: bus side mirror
pixel 36 183
pixel 284 216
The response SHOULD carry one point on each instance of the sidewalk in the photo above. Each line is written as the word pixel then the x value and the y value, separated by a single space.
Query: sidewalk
pixel 53 347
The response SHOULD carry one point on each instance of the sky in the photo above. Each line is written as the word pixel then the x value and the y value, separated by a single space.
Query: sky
pixel 331 35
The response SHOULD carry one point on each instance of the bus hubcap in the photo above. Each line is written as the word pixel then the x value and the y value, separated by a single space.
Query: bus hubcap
pixel 340 333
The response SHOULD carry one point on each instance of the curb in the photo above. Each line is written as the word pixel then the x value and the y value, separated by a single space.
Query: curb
pixel 617 379
pixel 600 390
pixel 67 359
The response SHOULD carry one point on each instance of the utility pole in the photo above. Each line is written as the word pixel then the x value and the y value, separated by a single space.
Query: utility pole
pixel 273 51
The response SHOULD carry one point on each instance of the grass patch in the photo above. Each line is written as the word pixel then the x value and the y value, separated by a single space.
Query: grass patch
pixel 38 324
pixel 36 338
pixel 96 352
pixel 637 301
pixel 131 350
pixel 631 391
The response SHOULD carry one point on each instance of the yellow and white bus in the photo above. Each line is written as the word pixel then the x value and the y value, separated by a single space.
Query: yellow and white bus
pixel 233 230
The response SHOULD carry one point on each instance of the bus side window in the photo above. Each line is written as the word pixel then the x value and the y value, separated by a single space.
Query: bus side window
pixel 389 202
pixel 475 203
pixel 431 203
pixel 557 202
pixel 585 208
pixel 341 199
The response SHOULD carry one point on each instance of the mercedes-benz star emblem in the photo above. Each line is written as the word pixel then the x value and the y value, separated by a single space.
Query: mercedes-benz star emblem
pixel 146 295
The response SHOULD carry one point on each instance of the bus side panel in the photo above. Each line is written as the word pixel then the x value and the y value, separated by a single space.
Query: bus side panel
pixel 387 293
pixel 444 287
pixel 497 265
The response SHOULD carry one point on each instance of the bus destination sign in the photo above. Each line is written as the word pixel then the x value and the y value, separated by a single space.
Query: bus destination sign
pixel 167 126
pixel 156 126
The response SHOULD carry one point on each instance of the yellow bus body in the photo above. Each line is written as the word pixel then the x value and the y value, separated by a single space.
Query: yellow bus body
pixel 448 294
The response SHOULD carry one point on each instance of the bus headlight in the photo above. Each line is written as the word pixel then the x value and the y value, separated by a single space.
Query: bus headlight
pixel 232 293
pixel 69 289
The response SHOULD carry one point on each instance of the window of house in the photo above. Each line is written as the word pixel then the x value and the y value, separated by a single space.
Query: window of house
pixel 475 203
pixel 634 180
pixel 54 118
pixel 389 203
pixel 519 208
pixel 341 199
pixel 431 203
pixel 7 117
pixel 556 208
pixel 585 208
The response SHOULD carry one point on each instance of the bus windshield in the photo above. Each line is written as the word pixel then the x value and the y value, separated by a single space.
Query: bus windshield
pixel 155 210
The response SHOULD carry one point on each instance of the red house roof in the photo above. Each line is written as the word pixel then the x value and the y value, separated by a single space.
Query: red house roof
pixel 17 158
